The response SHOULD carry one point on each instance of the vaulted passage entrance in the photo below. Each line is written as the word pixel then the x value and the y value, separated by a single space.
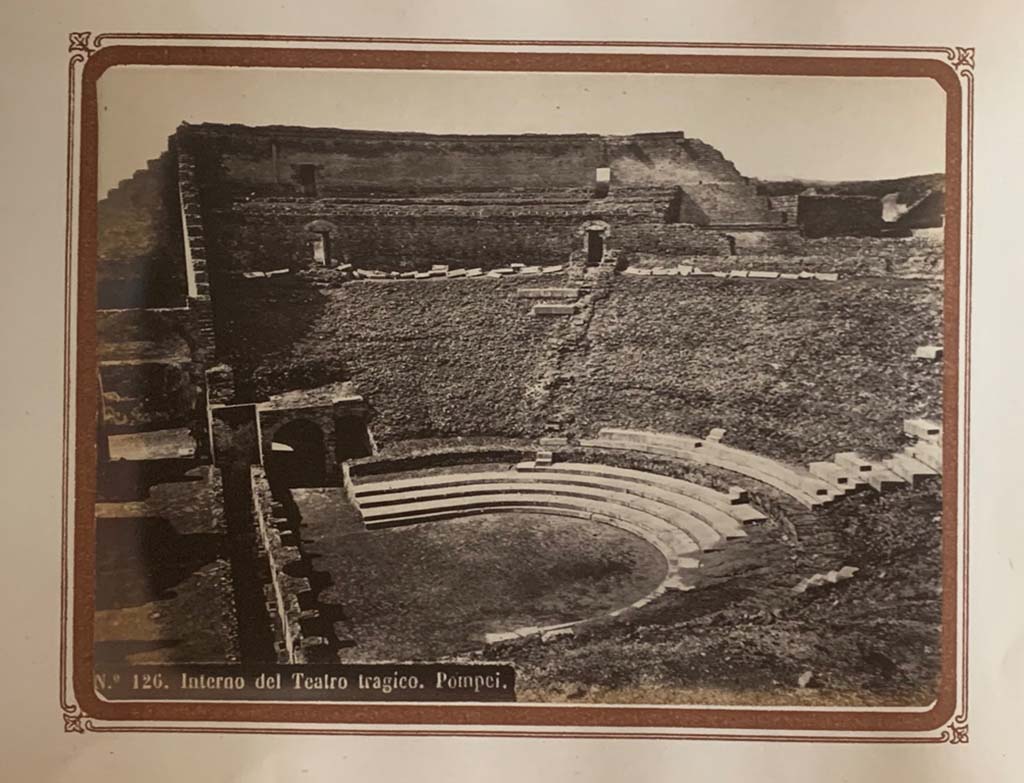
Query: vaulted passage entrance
pixel 297 455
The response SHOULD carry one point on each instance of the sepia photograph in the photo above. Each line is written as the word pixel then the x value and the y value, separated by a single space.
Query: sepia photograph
pixel 544 387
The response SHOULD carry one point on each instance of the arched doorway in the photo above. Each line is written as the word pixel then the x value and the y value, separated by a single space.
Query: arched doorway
pixel 297 455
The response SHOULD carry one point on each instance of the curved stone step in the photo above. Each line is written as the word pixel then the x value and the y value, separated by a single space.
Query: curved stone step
pixel 651 528
pixel 398 504
pixel 800 485
pixel 724 523
pixel 742 512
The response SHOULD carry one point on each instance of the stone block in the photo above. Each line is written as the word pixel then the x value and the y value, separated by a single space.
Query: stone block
pixel 456 273
pixel 659 271
pixel 422 275
pixel 439 268
pixel 832 473
pixel 829 277
pixel 517 267
pixel 763 275
pixel 548 293
pixel 554 268
pixel 502 271
pixel 437 273
pixel 853 462
pixel 923 429
pixel 553 309
pixel 476 272
pixel 911 470
pixel 407 275
pixel 929 454
pixel 738 496
pixel 498 638
pixel 805 275
pixel 882 480
pixel 556 633
pixel 684 269
pixel 789 276
pixel 717 274
pixel 553 441
pixel 929 352
pixel 715 435
pixel 738 273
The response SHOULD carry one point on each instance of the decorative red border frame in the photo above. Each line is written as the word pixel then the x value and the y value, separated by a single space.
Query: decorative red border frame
pixel 951 67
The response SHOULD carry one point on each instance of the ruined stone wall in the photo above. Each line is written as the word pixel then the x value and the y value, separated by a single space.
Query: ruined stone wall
pixel 785 206
pixel 667 240
pixel 789 251
pixel 141 260
pixel 151 395
pixel 149 376
pixel 726 203
pixel 534 228
pixel 266 161
pixel 821 216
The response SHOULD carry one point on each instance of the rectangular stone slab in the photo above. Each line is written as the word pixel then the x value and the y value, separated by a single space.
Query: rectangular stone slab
pixel 852 461
pixel 548 293
pixel 928 453
pixel 553 309
pixel 883 479
pixel 923 428
pixel 832 473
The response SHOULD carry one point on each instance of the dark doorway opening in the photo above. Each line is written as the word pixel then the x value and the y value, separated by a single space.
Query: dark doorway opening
pixel 307 179
pixel 351 438
pixel 322 249
pixel 595 247
pixel 297 456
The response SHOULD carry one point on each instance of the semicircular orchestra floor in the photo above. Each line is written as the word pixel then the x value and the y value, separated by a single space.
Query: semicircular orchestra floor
pixel 437 588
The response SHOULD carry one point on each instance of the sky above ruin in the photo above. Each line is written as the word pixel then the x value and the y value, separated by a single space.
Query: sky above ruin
pixel 771 127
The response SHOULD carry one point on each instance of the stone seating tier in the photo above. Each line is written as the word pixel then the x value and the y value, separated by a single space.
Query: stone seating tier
pixel 923 429
pixel 587 474
pixel 663 535
pixel 691 512
pixel 798 484
pixel 929 454
pixel 909 469
pixel 437 498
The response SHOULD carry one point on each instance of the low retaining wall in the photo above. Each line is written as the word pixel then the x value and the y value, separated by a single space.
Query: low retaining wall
pixel 436 457
pixel 282 590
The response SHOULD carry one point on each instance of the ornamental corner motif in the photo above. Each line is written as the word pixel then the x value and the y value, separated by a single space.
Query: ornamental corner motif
pixel 962 57
pixel 80 42
pixel 957 733
pixel 74 721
